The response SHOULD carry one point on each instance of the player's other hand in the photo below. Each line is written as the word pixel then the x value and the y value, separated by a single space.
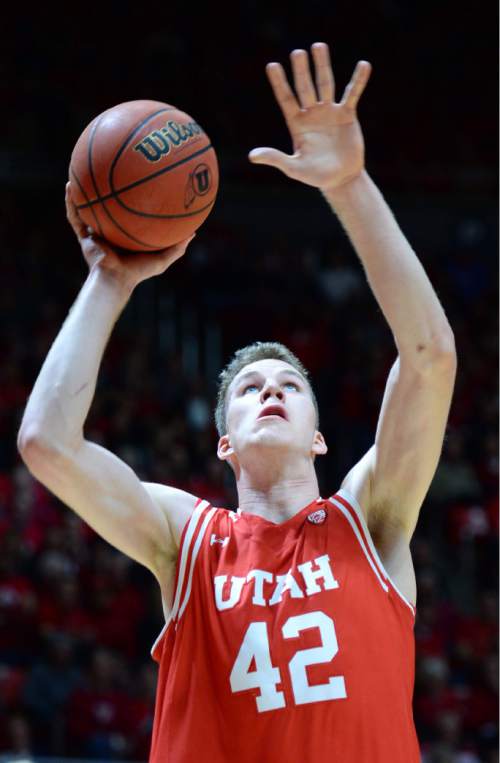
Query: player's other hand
pixel 327 139
pixel 128 269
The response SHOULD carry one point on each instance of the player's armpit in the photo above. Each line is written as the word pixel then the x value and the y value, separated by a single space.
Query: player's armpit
pixel 142 520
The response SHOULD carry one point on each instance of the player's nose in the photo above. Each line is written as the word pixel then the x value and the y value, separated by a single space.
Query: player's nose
pixel 271 389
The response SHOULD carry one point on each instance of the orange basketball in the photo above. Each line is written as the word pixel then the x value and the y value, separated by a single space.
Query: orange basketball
pixel 144 175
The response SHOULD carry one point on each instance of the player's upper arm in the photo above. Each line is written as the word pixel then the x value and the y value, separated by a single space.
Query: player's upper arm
pixel 144 520
pixel 395 474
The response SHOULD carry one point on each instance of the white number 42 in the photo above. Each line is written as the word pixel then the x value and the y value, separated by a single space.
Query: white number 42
pixel 255 646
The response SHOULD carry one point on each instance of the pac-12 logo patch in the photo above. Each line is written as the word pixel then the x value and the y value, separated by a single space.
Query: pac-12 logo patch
pixel 317 517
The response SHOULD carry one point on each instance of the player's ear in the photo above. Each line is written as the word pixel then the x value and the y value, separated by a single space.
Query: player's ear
pixel 224 449
pixel 225 452
pixel 319 446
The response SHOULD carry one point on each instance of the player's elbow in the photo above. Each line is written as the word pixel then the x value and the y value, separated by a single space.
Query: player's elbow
pixel 431 359
pixel 29 440
pixel 438 357
pixel 443 355
pixel 35 449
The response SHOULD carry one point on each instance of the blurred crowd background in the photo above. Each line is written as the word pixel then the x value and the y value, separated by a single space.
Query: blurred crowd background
pixel 77 619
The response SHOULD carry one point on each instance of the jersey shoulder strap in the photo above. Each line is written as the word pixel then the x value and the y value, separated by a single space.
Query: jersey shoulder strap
pixel 189 548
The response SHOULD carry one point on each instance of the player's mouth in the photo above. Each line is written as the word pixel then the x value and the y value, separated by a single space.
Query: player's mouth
pixel 273 410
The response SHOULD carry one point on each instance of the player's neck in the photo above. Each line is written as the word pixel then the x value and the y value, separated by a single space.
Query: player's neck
pixel 279 496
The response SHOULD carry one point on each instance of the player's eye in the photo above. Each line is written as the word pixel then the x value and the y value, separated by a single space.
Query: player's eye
pixel 292 385
pixel 249 387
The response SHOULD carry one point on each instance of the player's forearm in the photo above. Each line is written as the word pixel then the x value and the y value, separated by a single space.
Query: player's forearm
pixel 396 276
pixel 63 392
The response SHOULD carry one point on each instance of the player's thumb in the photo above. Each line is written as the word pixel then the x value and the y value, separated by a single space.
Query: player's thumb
pixel 272 157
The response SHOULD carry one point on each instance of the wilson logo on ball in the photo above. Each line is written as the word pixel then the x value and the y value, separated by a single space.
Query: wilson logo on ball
pixel 159 142
pixel 199 182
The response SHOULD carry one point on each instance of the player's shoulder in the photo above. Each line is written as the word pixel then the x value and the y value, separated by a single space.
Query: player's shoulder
pixel 222 519
pixel 209 526
pixel 176 505
pixel 357 483
pixel 181 507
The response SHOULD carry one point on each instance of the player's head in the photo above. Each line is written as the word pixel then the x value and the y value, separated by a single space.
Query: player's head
pixel 265 401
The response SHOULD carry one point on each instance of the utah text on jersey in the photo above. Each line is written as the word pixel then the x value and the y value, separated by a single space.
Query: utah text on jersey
pixel 312 581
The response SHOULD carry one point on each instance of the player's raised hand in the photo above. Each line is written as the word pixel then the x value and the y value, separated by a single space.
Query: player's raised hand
pixel 327 139
pixel 129 269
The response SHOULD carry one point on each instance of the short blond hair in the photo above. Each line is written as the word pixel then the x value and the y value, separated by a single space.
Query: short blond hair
pixel 242 358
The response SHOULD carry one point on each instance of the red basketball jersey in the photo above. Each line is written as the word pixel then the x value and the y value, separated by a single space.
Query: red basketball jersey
pixel 286 643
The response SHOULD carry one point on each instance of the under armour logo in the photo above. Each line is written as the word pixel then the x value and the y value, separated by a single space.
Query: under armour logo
pixel 222 541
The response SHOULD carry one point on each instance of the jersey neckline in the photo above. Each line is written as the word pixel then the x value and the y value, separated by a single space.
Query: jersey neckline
pixel 256 518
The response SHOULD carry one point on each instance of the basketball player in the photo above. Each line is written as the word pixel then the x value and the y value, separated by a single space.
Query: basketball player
pixel 289 622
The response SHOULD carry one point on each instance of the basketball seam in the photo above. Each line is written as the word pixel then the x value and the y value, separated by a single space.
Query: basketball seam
pixel 124 145
pixel 89 162
pixel 165 217
pixel 105 210
pixel 80 186
pixel 108 196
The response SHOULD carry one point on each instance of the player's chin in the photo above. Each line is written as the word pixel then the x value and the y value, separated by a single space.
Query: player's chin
pixel 272 437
